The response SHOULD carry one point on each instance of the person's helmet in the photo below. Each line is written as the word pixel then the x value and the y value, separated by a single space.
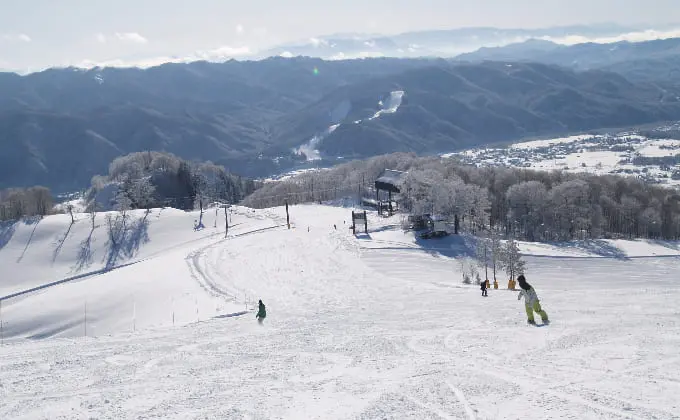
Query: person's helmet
pixel 521 278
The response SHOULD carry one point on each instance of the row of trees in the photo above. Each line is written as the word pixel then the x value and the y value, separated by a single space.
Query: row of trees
pixel 353 179
pixel 520 203
pixel 139 181
pixel 155 179
pixel 492 255
pixel 16 203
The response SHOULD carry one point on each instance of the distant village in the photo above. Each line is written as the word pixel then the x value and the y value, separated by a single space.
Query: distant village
pixel 654 160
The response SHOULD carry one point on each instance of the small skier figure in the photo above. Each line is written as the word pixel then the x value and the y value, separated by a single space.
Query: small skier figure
pixel 483 287
pixel 531 302
pixel 261 312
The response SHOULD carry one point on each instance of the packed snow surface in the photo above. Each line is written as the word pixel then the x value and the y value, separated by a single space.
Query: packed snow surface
pixel 370 326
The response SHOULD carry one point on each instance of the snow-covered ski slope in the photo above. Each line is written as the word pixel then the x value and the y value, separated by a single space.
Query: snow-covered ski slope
pixel 374 326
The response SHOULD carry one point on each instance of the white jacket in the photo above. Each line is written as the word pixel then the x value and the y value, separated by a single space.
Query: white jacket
pixel 529 296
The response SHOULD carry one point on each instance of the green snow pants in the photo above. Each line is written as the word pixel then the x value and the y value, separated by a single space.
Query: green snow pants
pixel 537 308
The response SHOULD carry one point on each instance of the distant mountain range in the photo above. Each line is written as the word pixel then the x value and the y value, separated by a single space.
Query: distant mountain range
pixel 657 60
pixel 434 43
pixel 61 126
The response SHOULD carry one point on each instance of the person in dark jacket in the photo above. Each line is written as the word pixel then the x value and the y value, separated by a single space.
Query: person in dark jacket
pixel 261 312
pixel 483 287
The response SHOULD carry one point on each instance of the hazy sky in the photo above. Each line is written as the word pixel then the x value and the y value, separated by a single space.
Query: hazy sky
pixel 38 33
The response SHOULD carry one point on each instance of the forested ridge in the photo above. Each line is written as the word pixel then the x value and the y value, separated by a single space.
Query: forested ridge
pixel 525 204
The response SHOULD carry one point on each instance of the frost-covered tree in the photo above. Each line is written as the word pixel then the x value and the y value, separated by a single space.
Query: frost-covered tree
pixel 570 206
pixel 527 202
pixel 16 203
pixel 142 193
pixel 650 222
pixel 512 259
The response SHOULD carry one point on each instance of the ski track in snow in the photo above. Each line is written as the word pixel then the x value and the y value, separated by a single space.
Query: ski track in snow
pixel 368 328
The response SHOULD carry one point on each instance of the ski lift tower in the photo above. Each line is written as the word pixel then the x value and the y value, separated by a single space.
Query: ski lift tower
pixel 391 181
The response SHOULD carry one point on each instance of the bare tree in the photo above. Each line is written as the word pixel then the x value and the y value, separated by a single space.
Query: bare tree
pixel 123 204
pixel 464 272
pixel 40 200
pixel 93 212
pixel 496 249
pixel 69 209
pixel 483 254
pixel 473 273
pixel 115 229
pixel 16 204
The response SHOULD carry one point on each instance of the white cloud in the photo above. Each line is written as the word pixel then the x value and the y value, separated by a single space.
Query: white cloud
pixel 640 36
pixel 286 54
pixel 15 37
pixel 219 54
pixel 317 42
pixel 131 37
pixel 239 29
pixel 361 54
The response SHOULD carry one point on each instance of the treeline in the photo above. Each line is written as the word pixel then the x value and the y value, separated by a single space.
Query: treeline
pixel 672 132
pixel 154 179
pixel 520 203
pixel 354 179
pixel 16 203
pixel 656 160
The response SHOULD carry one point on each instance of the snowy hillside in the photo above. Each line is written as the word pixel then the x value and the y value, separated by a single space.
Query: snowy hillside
pixel 654 160
pixel 147 274
pixel 367 326
pixel 389 106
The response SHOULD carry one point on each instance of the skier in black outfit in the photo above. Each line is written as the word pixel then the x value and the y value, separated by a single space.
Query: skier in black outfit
pixel 483 287
pixel 261 313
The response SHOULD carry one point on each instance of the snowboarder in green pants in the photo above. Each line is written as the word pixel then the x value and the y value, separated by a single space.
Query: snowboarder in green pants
pixel 531 302
pixel 261 313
